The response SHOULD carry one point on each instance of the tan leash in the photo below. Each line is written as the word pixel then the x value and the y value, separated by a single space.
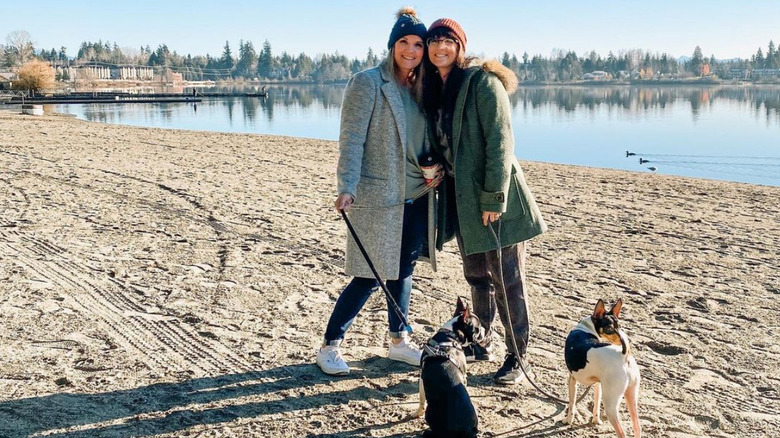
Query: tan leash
pixel 511 326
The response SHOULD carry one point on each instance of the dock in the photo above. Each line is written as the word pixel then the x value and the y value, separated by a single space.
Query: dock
pixel 47 100
pixel 124 97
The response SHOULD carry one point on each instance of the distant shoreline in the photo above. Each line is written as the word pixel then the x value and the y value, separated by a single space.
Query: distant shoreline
pixel 700 82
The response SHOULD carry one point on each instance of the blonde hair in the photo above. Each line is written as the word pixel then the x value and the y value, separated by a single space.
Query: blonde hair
pixel 415 76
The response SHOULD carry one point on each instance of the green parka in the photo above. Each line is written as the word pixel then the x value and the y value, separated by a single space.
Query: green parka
pixel 487 174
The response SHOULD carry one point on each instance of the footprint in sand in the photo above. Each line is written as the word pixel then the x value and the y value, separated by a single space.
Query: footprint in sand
pixel 200 267
pixel 702 376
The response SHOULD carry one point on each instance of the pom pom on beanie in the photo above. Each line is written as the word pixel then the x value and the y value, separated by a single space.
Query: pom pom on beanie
pixel 406 23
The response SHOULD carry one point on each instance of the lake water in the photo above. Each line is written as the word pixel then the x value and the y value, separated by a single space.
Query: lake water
pixel 719 132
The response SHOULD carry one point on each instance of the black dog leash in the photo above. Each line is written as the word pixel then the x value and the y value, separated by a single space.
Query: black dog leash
pixel 390 299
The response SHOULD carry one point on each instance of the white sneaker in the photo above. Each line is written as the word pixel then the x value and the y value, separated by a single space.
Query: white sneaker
pixel 405 351
pixel 330 361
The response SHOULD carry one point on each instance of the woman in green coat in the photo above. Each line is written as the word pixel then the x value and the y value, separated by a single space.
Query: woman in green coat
pixel 485 202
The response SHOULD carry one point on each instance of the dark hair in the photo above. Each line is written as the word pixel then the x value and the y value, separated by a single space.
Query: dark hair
pixel 435 95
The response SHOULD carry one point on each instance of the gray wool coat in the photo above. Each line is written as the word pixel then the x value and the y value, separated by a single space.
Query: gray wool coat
pixel 372 168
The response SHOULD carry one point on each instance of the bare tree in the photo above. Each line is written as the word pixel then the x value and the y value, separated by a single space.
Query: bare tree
pixel 35 76
pixel 19 48
pixel 134 56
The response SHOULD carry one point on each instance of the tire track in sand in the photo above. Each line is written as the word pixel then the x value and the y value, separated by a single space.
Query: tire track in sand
pixel 161 339
pixel 11 216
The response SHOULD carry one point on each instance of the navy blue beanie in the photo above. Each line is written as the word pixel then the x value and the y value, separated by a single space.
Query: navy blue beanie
pixel 407 24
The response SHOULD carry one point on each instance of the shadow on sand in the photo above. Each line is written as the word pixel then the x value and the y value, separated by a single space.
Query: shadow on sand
pixel 143 411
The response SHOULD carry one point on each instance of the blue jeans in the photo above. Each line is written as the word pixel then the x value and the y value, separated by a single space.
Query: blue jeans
pixel 357 292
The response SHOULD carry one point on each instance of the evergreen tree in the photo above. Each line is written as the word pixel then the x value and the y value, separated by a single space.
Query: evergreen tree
pixel 304 67
pixel 772 56
pixel 760 58
pixel 161 56
pixel 591 63
pixel 247 60
pixel 611 65
pixel 226 61
pixel 286 65
pixel 332 68
pixel 694 65
pixel 371 59
pixel 265 62
pixel 664 66
pixel 356 66
pixel 541 69
pixel 505 60
pixel 569 67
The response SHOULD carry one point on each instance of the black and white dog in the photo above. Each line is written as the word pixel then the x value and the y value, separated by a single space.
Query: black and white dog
pixel 598 353
pixel 449 411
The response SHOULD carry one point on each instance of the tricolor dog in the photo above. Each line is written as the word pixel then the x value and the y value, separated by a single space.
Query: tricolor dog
pixel 598 353
pixel 450 412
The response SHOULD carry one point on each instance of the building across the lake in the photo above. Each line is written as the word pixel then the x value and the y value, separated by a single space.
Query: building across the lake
pixel 756 73
pixel 765 73
pixel 597 75
pixel 6 80
pixel 93 72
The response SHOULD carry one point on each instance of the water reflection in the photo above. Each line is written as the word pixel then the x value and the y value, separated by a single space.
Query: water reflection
pixel 584 125
pixel 729 133
pixel 764 99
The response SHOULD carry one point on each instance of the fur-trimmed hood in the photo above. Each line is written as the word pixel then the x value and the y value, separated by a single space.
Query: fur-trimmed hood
pixel 504 74
pixel 488 176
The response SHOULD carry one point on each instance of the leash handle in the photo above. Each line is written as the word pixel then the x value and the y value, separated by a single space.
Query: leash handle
pixel 390 298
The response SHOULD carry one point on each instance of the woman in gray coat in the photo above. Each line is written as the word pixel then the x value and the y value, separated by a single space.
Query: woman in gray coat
pixel 381 185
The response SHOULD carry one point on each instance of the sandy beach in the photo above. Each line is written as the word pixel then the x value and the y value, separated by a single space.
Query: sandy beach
pixel 161 283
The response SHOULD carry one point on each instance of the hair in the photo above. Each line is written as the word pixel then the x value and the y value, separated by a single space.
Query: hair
pixel 434 94
pixel 415 76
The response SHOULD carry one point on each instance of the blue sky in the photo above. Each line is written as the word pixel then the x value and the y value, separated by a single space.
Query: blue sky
pixel 726 29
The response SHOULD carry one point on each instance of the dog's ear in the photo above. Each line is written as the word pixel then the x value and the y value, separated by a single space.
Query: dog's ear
pixel 616 308
pixel 599 311
pixel 460 307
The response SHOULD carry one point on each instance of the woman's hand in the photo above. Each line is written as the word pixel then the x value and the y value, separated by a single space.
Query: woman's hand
pixel 343 202
pixel 490 216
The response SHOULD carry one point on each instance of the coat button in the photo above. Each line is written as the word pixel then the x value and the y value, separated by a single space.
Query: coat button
pixel 500 197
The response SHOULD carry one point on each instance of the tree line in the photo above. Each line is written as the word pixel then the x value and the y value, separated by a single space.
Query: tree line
pixel 250 64
pixel 634 64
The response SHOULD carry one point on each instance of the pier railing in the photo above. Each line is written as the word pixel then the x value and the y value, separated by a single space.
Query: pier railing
pixel 6 95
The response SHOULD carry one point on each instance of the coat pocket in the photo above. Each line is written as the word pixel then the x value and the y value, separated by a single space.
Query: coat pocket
pixel 516 204
pixel 371 191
